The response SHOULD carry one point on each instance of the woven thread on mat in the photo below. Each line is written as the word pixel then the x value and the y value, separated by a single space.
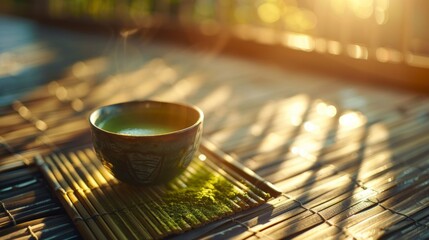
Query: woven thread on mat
pixel 362 185
pixel 249 229
pixel 417 223
pixel 30 230
pixel 344 230
pixel 94 216
pixel 8 213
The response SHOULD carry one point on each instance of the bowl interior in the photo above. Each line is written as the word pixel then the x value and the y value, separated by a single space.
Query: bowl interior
pixel 145 118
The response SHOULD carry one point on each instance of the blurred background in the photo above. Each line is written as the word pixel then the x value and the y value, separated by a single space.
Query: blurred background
pixel 380 41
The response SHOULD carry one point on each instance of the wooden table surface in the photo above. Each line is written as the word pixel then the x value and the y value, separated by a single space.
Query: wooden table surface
pixel 352 158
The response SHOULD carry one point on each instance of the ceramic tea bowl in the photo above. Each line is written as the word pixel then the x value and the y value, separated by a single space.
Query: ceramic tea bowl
pixel 146 142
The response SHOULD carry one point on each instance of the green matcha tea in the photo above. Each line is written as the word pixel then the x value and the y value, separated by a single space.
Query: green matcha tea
pixel 133 125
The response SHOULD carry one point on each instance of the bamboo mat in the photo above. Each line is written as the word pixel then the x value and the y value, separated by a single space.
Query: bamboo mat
pixel 350 161
pixel 102 207
pixel 28 210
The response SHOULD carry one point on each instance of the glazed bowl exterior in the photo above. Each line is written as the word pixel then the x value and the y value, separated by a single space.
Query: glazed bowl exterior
pixel 147 159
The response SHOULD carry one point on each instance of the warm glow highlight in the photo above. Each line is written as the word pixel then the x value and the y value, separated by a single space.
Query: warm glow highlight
pixel 376 156
pixel 334 47
pixel 338 6
pixel 357 51
pixel 265 35
pixel 299 19
pixel 325 109
pixel 320 45
pixel 216 98
pixel 352 120
pixel 361 8
pixel 381 11
pixel 314 131
pixel 417 60
pixel 202 157
pixel 272 141
pixel 288 110
pixel 388 55
pixel 269 12
pixel 310 127
pixel 299 41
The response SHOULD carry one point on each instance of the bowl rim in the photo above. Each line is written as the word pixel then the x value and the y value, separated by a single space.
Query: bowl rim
pixel 95 113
